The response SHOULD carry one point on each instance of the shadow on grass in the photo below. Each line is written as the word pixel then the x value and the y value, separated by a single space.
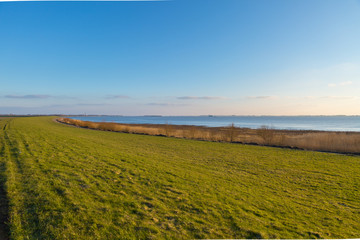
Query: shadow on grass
pixel 4 204
pixel 4 201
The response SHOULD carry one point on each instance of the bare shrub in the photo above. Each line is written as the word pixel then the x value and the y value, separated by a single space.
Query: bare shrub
pixel 230 133
pixel 126 129
pixel 280 140
pixel 213 135
pixel 266 133
pixel 203 134
pixel 191 132
pixel 168 130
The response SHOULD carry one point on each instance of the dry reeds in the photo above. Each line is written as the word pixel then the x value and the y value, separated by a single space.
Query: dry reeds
pixel 342 142
pixel 267 134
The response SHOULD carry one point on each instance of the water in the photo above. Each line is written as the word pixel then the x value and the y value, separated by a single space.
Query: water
pixel 328 123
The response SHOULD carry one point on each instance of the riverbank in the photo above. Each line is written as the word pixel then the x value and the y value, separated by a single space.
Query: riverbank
pixel 338 142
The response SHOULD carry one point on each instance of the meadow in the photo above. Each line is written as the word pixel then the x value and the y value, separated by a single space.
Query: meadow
pixel 63 182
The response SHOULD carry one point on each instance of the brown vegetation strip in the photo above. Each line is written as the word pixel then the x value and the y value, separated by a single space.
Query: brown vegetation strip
pixel 339 142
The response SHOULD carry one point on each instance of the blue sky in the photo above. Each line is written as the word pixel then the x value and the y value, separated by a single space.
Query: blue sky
pixel 181 57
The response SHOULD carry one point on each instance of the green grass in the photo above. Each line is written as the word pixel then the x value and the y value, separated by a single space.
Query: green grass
pixel 64 182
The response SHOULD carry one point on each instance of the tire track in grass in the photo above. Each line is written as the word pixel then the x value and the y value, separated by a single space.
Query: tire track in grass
pixel 17 184
pixel 4 202
pixel 28 163
pixel 23 190
pixel 4 205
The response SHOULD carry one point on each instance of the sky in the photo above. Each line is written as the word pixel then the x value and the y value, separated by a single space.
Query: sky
pixel 180 57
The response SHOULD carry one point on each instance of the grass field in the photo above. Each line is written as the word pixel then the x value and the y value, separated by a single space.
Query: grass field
pixel 63 182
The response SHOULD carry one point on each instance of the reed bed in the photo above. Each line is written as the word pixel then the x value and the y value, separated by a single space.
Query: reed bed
pixel 340 142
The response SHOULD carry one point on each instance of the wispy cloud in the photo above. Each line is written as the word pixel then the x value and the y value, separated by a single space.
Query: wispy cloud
pixel 315 98
pixel 340 97
pixel 310 97
pixel 166 104
pixel 117 97
pixel 201 98
pixel 34 96
pixel 262 97
pixel 346 83
pixel 92 104
pixel 57 105
pixel 76 105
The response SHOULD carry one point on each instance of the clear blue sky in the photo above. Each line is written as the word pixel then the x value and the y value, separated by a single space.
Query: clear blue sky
pixel 181 57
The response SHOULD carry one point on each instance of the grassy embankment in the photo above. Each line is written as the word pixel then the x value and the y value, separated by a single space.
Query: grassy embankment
pixel 340 142
pixel 64 182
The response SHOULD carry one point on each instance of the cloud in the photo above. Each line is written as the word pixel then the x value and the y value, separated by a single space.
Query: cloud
pixel 340 84
pixel 262 97
pixel 347 66
pixel 117 97
pixel 77 104
pixel 200 98
pixel 310 97
pixel 166 104
pixel 340 97
pixel 92 104
pixel 345 83
pixel 58 105
pixel 35 96
pixel 316 98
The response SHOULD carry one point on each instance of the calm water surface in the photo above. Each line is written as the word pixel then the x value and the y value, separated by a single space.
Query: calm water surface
pixel 329 123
